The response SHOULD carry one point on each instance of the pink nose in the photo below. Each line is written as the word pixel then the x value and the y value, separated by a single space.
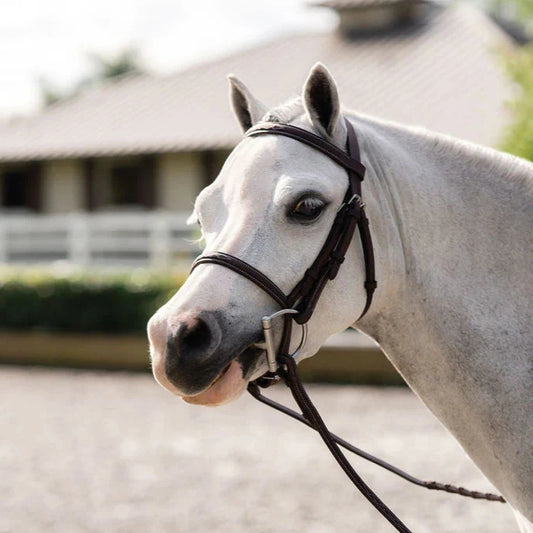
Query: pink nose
pixel 157 334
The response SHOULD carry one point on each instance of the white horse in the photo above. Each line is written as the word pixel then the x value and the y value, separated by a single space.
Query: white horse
pixel 452 225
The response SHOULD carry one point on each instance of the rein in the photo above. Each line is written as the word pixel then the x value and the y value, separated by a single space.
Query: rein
pixel 300 303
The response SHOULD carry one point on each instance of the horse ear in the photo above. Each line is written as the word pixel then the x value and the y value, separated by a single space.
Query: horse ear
pixel 321 102
pixel 247 108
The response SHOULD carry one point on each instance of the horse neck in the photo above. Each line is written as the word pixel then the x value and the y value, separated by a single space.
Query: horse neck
pixel 440 207
pixel 446 217
pixel 452 230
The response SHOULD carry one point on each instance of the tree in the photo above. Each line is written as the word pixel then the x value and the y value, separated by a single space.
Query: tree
pixel 525 9
pixel 102 68
pixel 518 137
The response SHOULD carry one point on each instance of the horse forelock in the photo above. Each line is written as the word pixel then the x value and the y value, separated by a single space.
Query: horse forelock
pixel 285 112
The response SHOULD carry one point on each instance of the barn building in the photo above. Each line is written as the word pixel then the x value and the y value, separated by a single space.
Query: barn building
pixel 109 176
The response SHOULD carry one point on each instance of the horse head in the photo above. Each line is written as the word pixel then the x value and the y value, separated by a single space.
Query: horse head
pixel 272 206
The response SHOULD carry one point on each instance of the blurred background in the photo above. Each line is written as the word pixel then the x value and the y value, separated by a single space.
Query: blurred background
pixel 113 116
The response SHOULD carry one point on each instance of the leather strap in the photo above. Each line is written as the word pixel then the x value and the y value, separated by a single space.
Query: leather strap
pixel 352 163
pixel 311 414
pixel 255 391
pixel 311 417
pixel 368 254
pixel 245 270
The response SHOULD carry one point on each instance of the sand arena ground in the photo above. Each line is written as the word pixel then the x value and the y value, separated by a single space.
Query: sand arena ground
pixel 113 452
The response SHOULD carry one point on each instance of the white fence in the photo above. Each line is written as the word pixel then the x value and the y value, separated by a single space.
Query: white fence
pixel 97 239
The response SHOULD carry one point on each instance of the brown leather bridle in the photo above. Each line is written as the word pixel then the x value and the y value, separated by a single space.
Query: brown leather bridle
pixel 350 214
pixel 300 304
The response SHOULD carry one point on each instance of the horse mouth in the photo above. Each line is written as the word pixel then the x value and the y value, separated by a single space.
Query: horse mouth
pixel 220 376
pixel 227 386
pixel 230 382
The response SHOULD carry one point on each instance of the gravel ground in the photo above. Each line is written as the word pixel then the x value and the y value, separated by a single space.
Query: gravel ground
pixel 113 452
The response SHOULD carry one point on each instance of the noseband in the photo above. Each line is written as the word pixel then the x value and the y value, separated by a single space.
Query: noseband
pixel 300 303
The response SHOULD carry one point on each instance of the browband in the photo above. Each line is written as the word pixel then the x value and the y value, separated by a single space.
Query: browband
pixel 348 161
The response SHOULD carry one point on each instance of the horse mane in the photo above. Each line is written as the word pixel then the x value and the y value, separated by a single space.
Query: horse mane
pixel 488 161
pixel 484 159
pixel 507 166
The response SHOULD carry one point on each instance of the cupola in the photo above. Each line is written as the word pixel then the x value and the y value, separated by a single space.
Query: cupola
pixel 367 16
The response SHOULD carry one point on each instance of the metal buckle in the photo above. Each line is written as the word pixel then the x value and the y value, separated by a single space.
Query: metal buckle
pixel 355 197
pixel 269 338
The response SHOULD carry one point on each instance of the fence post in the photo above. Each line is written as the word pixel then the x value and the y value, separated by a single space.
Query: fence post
pixel 78 246
pixel 3 240
pixel 160 252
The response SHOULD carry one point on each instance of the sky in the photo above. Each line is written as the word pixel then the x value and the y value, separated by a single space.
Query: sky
pixel 52 40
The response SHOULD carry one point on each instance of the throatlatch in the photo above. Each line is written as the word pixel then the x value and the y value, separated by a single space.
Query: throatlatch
pixel 299 305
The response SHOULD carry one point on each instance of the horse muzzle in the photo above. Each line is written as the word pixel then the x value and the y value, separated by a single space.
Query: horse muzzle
pixel 194 357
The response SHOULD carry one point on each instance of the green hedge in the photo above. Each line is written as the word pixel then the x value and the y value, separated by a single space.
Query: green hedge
pixel 82 303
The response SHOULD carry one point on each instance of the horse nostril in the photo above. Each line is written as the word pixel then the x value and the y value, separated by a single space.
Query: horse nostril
pixel 190 347
pixel 192 340
pixel 195 338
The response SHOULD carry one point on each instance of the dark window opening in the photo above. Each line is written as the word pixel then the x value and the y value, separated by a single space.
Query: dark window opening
pixel 133 184
pixel 212 162
pixel 125 185
pixel 14 185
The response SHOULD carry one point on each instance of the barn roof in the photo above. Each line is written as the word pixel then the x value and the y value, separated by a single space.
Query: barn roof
pixel 442 74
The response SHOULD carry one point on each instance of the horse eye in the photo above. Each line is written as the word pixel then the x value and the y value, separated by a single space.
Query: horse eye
pixel 307 209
